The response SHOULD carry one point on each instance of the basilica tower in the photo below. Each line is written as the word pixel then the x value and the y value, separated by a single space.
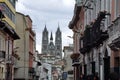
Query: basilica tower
pixel 45 41
pixel 58 43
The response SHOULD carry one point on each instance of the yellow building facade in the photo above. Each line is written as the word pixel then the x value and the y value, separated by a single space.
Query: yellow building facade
pixel 8 8
pixel 7 37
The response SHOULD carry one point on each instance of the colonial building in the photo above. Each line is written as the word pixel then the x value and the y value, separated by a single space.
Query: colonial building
pixel 114 40
pixel 98 40
pixel 77 26
pixel 7 37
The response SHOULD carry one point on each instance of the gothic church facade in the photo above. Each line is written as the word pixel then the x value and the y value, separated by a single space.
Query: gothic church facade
pixel 49 47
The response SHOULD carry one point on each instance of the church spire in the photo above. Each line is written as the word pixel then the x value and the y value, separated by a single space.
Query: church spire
pixel 58 29
pixel 51 37
pixel 45 29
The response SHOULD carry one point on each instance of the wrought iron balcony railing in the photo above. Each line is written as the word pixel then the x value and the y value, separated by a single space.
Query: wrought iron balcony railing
pixel 93 35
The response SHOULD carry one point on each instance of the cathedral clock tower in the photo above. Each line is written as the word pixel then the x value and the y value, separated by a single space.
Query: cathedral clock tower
pixel 58 43
pixel 45 41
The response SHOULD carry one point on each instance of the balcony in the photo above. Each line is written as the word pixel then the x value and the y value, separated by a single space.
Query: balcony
pixel 115 45
pixel 93 40
pixel 75 59
pixel 86 41
pixel 2 54
pixel 99 35
pixel 114 32
pixel 103 36
pixel 93 35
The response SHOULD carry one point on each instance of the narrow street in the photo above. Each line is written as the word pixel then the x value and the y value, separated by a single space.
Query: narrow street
pixel 60 40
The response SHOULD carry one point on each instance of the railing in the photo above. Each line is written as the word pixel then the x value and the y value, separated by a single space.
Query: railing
pixel 87 40
pixel 93 35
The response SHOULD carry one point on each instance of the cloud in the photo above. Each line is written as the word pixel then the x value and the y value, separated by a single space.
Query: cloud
pixel 49 12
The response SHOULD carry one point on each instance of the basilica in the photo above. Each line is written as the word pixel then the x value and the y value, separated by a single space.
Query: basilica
pixel 49 47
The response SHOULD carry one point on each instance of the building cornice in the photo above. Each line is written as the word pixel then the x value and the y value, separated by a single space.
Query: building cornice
pixel 76 17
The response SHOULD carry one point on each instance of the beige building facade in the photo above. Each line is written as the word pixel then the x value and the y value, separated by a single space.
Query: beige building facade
pixel 24 66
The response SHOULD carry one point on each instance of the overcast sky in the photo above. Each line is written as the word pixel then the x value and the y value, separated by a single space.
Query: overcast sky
pixel 49 12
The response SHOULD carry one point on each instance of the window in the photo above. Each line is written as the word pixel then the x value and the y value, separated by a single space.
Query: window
pixel 12 2
pixel 8 12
